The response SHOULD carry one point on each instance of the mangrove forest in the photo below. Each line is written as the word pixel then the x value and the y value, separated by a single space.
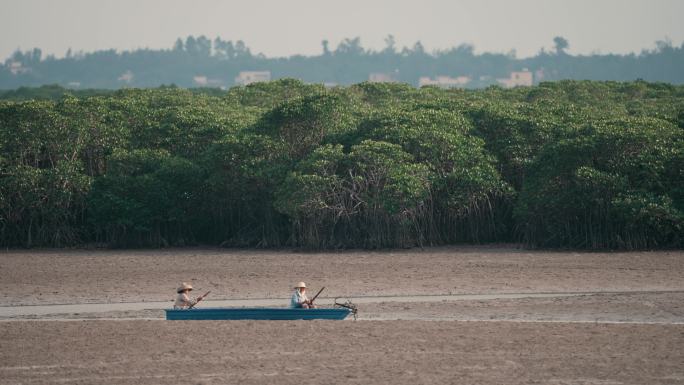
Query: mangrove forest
pixel 569 164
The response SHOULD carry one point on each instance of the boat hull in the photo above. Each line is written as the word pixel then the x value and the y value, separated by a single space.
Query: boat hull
pixel 256 314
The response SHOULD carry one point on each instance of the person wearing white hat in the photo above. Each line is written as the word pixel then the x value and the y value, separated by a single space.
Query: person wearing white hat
pixel 183 300
pixel 299 298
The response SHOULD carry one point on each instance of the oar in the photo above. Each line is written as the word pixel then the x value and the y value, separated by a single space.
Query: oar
pixel 316 296
pixel 201 297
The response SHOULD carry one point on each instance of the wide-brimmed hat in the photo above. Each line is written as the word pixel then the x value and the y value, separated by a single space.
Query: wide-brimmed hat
pixel 300 284
pixel 184 286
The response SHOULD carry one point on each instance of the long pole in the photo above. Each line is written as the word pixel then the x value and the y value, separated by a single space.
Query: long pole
pixel 317 294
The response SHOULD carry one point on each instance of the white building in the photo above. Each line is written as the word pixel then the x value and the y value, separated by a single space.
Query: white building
pixel 126 77
pixel 249 77
pixel 517 79
pixel 381 77
pixel 203 81
pixel 200 80
pixel 444 81
pixel 17 68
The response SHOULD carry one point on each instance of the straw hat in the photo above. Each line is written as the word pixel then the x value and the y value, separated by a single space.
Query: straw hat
pixel 184 286
pixel 300 284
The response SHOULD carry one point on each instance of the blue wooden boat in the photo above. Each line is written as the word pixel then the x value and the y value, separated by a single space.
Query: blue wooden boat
pixel 259 313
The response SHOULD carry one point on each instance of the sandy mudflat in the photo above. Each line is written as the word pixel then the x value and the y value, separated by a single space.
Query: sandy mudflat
pixel 630 333
pixel 80 276
pixel 339 352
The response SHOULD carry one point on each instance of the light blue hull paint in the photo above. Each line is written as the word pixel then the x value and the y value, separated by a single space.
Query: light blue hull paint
pixel 218 313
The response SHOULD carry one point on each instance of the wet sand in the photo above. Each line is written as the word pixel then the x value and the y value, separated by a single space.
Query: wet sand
pixel 640 307
pixel 665 308
pixel 19 311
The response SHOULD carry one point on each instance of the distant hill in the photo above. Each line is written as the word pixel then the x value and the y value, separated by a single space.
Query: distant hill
pixel 201 62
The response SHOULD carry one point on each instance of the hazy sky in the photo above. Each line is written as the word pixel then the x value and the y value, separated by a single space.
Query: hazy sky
pixel 286 27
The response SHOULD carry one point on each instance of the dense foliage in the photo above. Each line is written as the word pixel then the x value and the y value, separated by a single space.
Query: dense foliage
pixel 567 164
pixel 217 62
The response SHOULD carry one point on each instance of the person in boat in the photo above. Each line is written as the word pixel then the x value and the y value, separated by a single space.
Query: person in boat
pixel 183 300
pixel 299 298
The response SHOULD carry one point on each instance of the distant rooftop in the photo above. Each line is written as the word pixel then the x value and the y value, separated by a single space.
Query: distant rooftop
pixel 522 78
pixel 249 77
pixel 444 81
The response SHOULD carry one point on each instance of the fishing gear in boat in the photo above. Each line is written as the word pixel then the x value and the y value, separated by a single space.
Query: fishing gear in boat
pixel 348 305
